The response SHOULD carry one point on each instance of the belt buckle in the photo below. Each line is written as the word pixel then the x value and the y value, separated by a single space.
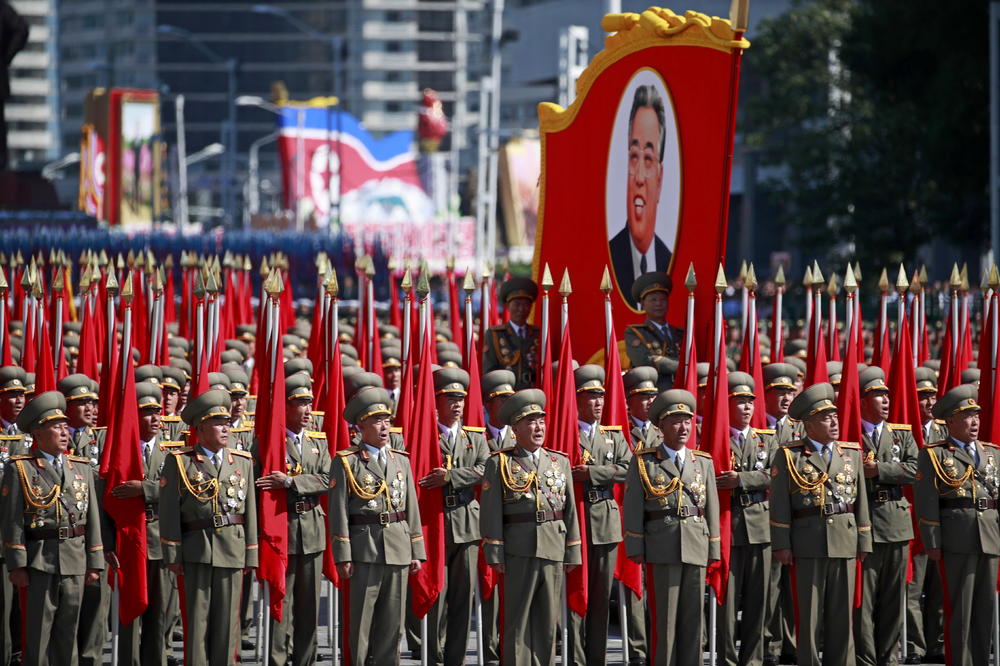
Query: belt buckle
pixel 828 509
pixel 150 516
pixel 64 532
pixel 300 507
pixel 882 496
pixel 383 518
pixel 683 511
pixel 593 496
pixel 450 501
pixel 982 504
pixel 218 520
pixel 540 517
pixel 744 500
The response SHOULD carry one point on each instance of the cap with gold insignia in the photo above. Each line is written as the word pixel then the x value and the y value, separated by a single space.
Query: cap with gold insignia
pixel 640 380
pixel 240 346
pixel 816 399
pixel 179 343
pixel 651 282
pixel 834 370
pixel 388 331
pixel 358 381
pixel 797 348
pixel 173 378
pixel 368 403
pixel 299 365
pixel 43 408
pixel 450 359
pixel 345 331
pixel 451 381
pixel 210 404
pixel 148 394
pixel 298 386
pixel 926 380
pixel 668 403
pixel 76 387
pixel 348 350
pixel 293 342
pixel 231 356
pixel 959 399
pixel 246 332
pixel 871 379
pixel 970 376
pixel 149 373
pixel 392 355
pixel 13 378
pixel 71 341
pixel 447 345
pixel 666 369
pixel 239 383
pixel 498 383
pixel 741 384
pixel 589 378
pixel 218 380
pixel 703 370
pixel 518 287
pixel 183 365
pixel 29 384
pixel 524 403
pixel 442 333
pixel 799 364
pixel 932 363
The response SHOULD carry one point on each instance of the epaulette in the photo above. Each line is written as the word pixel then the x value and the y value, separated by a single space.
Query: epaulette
pixel 243 429
pixel 791 420
pixel 173 418
pixel 900 426
pixel 396 429
pixel 183 449
pixel 473 429
pixel 989 444
pixel 611 428
pixel 935 444
pixel 318 412
pixel 794 445
pixel 170 444
pixel 507 450
pixel 245 454
pixel 939 421
pixel 764 431
pixel 648 449
pixel 348 451
pixel 849 445
pixel 565 455
pixel 99 428
pixel 10 438
pixel 79 459
pixel 704 454
pixel 22 457
pixel 498 327
pixel 316 434
pixel 401 451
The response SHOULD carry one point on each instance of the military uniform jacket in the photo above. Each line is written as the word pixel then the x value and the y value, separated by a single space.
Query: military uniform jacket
pixel 516 494
pixel 607 455
pixel 671 515
pixel 506 440
pixel 173 428
pixel 193 493
pixel 374 514
pixel 40 505
pixel 396 441
pixel 953 497
pixel 506 350
pixel 896 454
pixel 787 430
pixel 152 470
pixel 12 445
pixel 820 509
pixel 650 439
pixel 310 473
pixel 88 443
pixel 241 437
pixel 751 514
pixel 938 431
pixel 645 341
pixel 465 461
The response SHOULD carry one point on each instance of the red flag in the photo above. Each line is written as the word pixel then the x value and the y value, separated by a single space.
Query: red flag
pixel 715 441
pixel 318 346
pixel 778 327
pixel 45 378
pixel 376 359
pixel 474 415
pixel 338 438
pixel 989 382
pixel 494 306
pixel 750 363
pixel 816 354
pixel 395 314
pixel 454 309
pixel 86 362
pixel 169 294
pixel 29 349
pixel 287 318
pixel 121 461
pixel 425 456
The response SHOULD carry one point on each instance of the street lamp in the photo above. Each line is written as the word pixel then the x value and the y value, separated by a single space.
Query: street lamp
pixel 253 173
pixel 211 150
pixel 229 131
pixel 50 170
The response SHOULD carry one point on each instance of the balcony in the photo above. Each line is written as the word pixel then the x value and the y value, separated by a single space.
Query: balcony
pixel 390 90
pixel 389 30
pixel 386 60
pixel 386 121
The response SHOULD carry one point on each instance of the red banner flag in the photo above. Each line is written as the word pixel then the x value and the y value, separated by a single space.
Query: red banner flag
pixel 750 363
pixel 989 381
pixel 338 437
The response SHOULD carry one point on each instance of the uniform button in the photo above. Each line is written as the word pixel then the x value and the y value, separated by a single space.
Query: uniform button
pixel 829 521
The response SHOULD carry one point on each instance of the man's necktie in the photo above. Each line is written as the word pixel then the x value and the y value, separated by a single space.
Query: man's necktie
pixel 827 452
pixel 642 265
pixel 973 452
pixel 742 440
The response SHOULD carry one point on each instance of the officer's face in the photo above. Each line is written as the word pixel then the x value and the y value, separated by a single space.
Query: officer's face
pixel 655 305
pixel 676 430
pixel 393 377
pixel 824 427
pixel 530 432
pixel 82 413
pixel 170 398
pixel 875 406
pixel 740 412
pixel 964 426
pixel 298 413
pixel 11 404
pixel 239 405
pixel 213 433
pixel 590 406
pixel 519 309
pixel 777 400
pixel 645 175
pixel 638 405
pixel 375 430
pixel 450 407
pixel 149 423
pixel 927 400
pixel 493 406
pixel 53 437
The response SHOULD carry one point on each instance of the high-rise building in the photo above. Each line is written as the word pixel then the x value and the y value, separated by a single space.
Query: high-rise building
pixel 31 110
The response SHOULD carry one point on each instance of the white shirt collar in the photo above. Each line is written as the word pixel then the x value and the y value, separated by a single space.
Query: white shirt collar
pixel 451 431
pixel 498 433
pixel 209 454
pixel 969 446
pixel 518 330
pixel 637 257
pixel 639 424
pixel 676 456
pixel 870 427
pixel 50 458
pixel 587 428
pixel 736 432
pixel 376 453
pixel 819 447
pixel 150 443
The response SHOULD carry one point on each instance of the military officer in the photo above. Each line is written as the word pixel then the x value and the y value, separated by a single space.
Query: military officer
pixel 890 462
pixel 392 370
pixel 142 641
pixel 820 519
pixel 530 530
pixel 355 382
pixel 174 386
pixel 208 528
pixel 516 344
pixel 672 525
pixel 241 428
pixel 605 455
pixel 927 387
pixel 375 529
pixel 464 453
pixel 956 501
pixel 12 442
pixel 779 391
pixel 86 439
pixel 306 478
pixel 13 385
pixel 653 338
pixel 51 532
pixel 752 452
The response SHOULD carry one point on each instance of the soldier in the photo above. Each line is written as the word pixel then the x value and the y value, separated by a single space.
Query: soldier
pixel 392 370
pixel 12 442
pixel 375 527
pixel 516 344
pixel 85 438
pixel 241 428
pixel 174 386
pixel 208 528
pixel 530 531
pixel 890 462
pixel 956 497
pixel 779 391
pixel 653 338
pixel 672 525
pixel 356 381
pixel 51 532
pixel 464 452
pixel 749 585
pixel 605 455
pixel 497 386
pixel 13 385
pixel 306 477
pixel 820 520
pixel 142 641
pixel 924 596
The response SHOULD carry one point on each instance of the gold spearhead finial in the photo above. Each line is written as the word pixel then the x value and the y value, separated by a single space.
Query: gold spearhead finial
pixel 751 277
pixel 965 277
pixel 720 280
pixel 3 281
pixel 923 274
pixel 915 285
pixel 59 283
pixel 743 271
pixel 807 280
pixel 423 285
pixel 28 278
pixel 955 280
pixel 211 284
pixel 247 264
pixel 817 275
pixel 169 262
pixel 111 283
pixel 883 280
pixel 127 291
pixel 139 261
pixel 370 268
pixel 565 288
pixel 547 281
pixel 130 259
pixel 901 281
pixel 449 263
pixel 393 263
pixel 265 270
pixel 330 284
pixel 273 284
pixel 690 281
pixel 850 282
pixel 994 280
pixel 857 271
pixel 36 290
pixel 159 281
pixel 199 285
pixel 468 282
pixel 832 288
pixel 779 279
pixel 487 270
pixel 407 282
pixel 20 257
pixel 606 281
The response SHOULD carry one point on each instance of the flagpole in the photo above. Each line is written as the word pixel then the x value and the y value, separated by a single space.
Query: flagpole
pixel 370 310
pixel 333 329
pixel 690 283
pixel 57 290
pixel 994 339
pixel 833 340
pixel 546 315
pixel 484 303
pixel 915 289
pixel 717 361
pixel 423 291
pixel 407 286
pixel 807 282
pixel 273 344
pixel 564 291
pixel 744 299
pixel 777 329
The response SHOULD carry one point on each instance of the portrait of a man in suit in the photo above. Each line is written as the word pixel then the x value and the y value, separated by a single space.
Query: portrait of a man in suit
pixel 637 249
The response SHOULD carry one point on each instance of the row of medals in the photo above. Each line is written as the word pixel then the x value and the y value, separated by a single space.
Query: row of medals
pixel 991 474
pixel 79 489
pixel 843 490
pixel 554 488
pixel 396 487
pixel 696 488
pixel 235 493
pixel 758 464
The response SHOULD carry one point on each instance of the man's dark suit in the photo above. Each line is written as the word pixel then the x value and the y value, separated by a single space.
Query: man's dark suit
pixel 621 261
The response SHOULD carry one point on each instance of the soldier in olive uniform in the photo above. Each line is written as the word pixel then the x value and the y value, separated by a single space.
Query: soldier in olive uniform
pixel 654 338
pixel 672 525
pixel 464 452
pixel 924 596
pixel 392 370
pixel 605 455
pixel 306 477
pixel 142 641
pixel 820 520
pixel 174 385
pixel 375 527
pixel 956 500
pixel 208 528
pixel 516 344
pixel 13 386
pixel 241 428
pixel 12 443
pixel 531 534
pixel 51 532
pixel 752 452
pixel 357 381
pixel 890 462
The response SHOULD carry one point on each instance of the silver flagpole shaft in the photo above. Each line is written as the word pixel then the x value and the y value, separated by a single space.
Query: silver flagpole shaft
pixel 115 622
pixel 623 618
pixel 480 654
pixel 259 616
pixel 712 626
pixel 565 621
pixel 334 624
pixel 902 635
pixel 265 624
pixel 423 630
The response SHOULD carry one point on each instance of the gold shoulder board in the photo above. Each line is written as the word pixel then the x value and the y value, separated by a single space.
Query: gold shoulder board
pixel 507 450
pixel 764 431
pixel 245 454
pixel 704 454
pixel 473 429
pixel 348 451
pixel 316 434
pixel 611 428
pixel 900 426
pixel 396 429
pixel 849 445
pixel 80 459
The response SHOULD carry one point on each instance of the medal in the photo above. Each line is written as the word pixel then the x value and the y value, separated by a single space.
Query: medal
pixel 609 455
pixel 807 469
pixel 231 492
pixel 240 495
pixel 243 483
pixel 233 479
pixel 199 476
pixel 372 504
pixel 368 479
pixel 80 506
pixel 231 503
